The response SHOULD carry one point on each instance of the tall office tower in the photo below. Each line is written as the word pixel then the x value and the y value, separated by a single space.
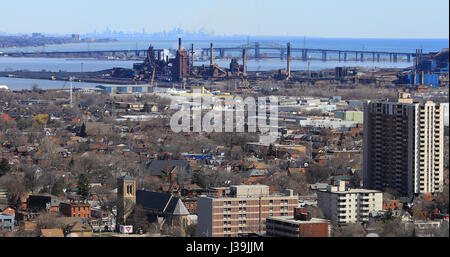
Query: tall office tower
pixel 403 146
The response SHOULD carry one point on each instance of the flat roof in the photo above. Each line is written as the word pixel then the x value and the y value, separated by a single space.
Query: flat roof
pixel 353 191
pixel 290 219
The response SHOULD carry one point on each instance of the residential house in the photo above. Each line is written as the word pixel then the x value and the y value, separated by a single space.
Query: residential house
pixel 47 202
pixel 167 168
pixel 75 209
pixel 6 222
pixel 52 232
pixel 79 229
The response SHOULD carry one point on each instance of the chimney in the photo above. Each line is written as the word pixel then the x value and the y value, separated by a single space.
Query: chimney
pixel 192 55
pixel 179 44
pixel 211 59
pixel 302 214
pixel 288 59
pixel 244 61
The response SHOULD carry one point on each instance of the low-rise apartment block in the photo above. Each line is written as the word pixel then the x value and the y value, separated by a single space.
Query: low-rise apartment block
pixel 300 225
pixel 341 204
pixel 243 210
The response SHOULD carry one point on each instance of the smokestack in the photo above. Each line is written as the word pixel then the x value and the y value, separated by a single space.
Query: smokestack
pixel 179 44
pixel 211 59
pixel 289 60
pixel 244 60
pixel 192 55
pixel 417 57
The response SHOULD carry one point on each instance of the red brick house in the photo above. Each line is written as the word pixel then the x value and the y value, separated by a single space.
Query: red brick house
pixel 75 209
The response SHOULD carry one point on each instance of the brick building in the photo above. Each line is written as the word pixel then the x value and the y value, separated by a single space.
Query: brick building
pixel 243 210
pixel 75 209
pixel 300 225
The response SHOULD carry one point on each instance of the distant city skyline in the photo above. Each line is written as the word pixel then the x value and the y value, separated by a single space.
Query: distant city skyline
pixel 326 18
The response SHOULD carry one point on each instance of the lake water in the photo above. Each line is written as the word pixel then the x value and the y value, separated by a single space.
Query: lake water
pixel 77 65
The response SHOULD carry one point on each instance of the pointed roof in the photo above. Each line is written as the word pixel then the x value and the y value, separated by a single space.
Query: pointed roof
pixel 126 177
pixel 180 209
pixel 161 202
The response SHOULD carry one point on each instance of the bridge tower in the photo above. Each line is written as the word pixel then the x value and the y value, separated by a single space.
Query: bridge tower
pixel 304 55
pixel 257 50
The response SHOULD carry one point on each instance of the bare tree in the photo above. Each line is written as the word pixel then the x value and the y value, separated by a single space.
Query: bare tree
pixel 348 230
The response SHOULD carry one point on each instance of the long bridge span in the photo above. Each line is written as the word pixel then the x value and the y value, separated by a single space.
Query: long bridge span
pixel 256 50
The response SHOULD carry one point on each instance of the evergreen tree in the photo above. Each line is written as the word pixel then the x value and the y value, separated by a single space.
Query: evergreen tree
pixel 4 167
pixel 82 132
pixel 146 108
pixel 83 185
pixel 72 162
pixel 56 189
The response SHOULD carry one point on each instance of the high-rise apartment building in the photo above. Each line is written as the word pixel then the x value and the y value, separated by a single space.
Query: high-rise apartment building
pixel 243 210
pixel 403 146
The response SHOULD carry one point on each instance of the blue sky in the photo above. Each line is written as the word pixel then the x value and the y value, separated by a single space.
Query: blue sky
pixel 320 18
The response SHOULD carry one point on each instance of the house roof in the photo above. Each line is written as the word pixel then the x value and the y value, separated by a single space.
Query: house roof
pixel 257 172
pixel 52 232
pixel 158 167
pixel 161 202
pixel 79 227
pixel 126 177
